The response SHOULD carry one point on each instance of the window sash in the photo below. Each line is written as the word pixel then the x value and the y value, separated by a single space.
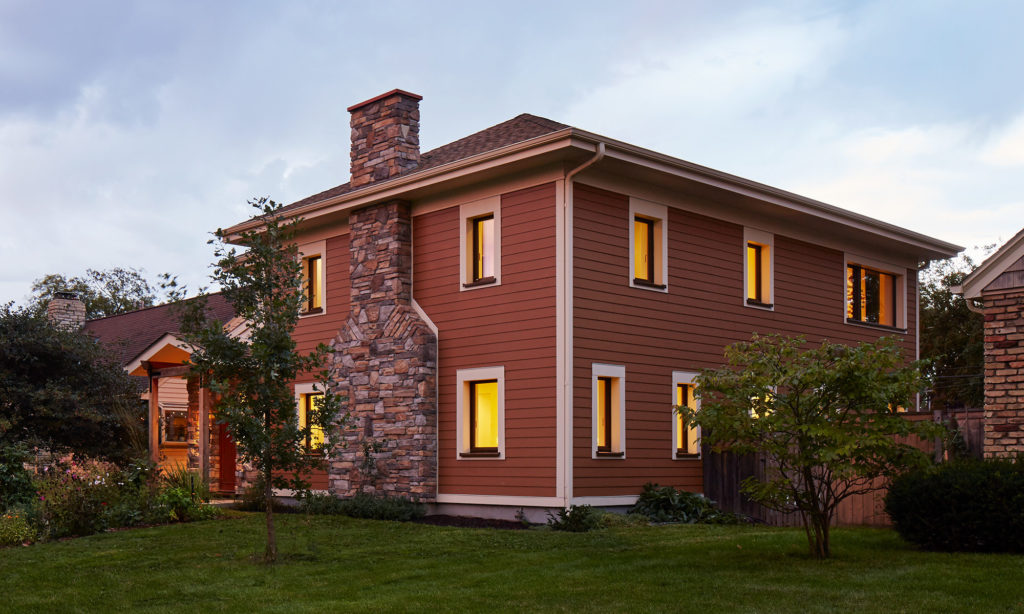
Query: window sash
pixel 483 248
pixel 643 249
pixel 686 435
pixel 479 422
pixel 314 440
pixel 755 273
pixel 312 272
pixel 604 414
pixel 871 296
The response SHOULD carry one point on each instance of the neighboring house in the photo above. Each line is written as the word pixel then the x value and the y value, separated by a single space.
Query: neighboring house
pixel 999 284
pixel 146 343
pixel 515 313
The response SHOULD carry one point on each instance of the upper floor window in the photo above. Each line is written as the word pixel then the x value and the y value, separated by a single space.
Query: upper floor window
pixel 648 245
pixel 480 234
pixel 609 422
pixel 757 267
pixel 481 409
pixel 313 278
pixel 872 295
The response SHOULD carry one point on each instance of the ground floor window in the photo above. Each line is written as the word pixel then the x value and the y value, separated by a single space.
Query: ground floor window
pixel 609 419
pixel 685 437
pixel 481 408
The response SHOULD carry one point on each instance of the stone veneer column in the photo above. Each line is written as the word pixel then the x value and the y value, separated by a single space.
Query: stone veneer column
pixel 1004 374
pixel 385 365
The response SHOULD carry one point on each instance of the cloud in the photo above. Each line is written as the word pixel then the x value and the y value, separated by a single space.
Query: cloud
pixel 1006 148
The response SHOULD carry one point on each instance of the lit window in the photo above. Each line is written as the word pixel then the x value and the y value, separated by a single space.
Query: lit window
pixel 757 266
pixel 483 250
pixel 608 416
pixel 685 437
pixel 872 296
pixel 173 423
pixel 309 403
pixel 481 404
pixel 312 290
pixel 648 247
pixel 686 434
pixel 480 234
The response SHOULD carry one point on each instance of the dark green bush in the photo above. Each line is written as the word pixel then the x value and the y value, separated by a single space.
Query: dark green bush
pixel 15 481
pixel 188 480
pixel 965 505
pixel 666 504
pixel 364 505
pixel 576 519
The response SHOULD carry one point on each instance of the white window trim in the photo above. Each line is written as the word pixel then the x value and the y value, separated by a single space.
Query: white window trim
pixel 900 272
pixel 316 248
pixel 463 377
pixel 618 373
pixel 753 235
pixel 470 211
pixel 683 377
pixel 658 213
pixel 309 388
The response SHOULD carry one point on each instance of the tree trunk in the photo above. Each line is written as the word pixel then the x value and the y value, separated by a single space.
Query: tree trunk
pixel 270 555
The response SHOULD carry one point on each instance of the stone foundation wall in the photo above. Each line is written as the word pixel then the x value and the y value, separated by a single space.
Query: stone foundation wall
pixel 1004 374
pixel 385 366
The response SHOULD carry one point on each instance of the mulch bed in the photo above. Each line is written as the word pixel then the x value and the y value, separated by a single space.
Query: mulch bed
pixel 472 523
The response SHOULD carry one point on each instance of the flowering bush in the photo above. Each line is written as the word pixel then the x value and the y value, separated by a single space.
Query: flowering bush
pixel 15 528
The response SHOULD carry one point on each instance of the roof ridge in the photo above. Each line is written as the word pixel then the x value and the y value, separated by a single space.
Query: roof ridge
pixel 118 315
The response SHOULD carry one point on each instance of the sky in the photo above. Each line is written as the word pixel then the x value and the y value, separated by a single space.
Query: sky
pixel 129 131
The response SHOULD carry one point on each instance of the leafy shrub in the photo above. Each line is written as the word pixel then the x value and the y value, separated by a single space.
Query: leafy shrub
pixel 16 528
pixel 182 505
pixel 612 519
pixel 965 505
pixel 188 480
pixel 576 519
pixel 364 505
pixel 15 480
pixel 666 504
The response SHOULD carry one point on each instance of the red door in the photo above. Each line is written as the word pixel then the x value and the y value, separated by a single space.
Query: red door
pixel 227 459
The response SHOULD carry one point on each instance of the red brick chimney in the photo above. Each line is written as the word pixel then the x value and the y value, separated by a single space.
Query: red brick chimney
pixel 385 136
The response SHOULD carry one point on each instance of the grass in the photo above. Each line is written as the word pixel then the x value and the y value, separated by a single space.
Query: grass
pixel 332 563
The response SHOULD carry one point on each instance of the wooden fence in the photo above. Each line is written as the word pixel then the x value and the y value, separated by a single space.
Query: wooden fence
pixel 723 474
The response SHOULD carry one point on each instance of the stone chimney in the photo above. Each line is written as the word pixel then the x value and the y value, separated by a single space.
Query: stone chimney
pixel 66 310
pixel 385 136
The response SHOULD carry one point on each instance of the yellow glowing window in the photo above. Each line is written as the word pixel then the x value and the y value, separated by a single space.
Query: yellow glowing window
pixel 870 296
pixel 312 276
pixel 308 405
pixel 482 249
pixel 757 274
pixel 604 414
pixel 686 435
pixel 483 416
pixel 643 250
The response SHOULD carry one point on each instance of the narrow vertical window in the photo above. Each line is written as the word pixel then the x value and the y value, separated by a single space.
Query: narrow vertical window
pixel 309 404
pixel 483 417
pixel 758 247
pixel 755 290
pixel 312 274
pixel 871 296
pixel 483 249
pixel 686 435
pixel 643 250
pixel 604 414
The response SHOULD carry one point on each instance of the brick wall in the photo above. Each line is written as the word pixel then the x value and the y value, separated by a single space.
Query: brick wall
pixel 1004 373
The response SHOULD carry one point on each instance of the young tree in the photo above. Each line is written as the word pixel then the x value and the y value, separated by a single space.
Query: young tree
pixel 253 373
pixel 952 336
pixel 825 418
pixel 105 292
pixel 63 392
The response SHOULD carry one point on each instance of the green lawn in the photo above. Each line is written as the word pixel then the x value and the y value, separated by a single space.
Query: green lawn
pixel 336 564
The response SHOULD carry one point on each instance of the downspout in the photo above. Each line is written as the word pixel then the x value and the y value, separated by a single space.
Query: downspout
pixel 567 332
pixel 970 304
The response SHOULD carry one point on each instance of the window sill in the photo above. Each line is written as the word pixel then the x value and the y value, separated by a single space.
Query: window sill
pixel 687 455
pixel 601 454
pixel 485 281
pixel 175 444
pixel 759 305
pixel 494 454
pixel 891 329
pixel 311 312
pixel 643 283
